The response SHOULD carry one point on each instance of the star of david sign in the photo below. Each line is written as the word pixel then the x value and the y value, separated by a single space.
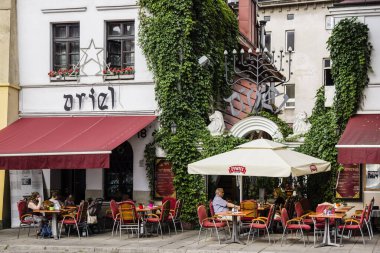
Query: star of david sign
pixel 91 54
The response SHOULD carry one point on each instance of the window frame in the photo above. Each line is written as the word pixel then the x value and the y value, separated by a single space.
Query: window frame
pixel 290 100
pixel 290 16
pixel 324 60
pixel 286 40
pixel 67 40
pixel 123 38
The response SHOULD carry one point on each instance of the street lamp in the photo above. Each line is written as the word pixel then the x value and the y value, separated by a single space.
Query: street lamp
pixel 173 128
pixel 259 67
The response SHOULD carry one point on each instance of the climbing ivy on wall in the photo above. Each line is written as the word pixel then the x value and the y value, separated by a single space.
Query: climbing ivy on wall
pixel 350 52
pixel 173 36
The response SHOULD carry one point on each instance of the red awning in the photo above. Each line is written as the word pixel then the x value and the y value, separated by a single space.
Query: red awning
pixel 360 142
pixel 66 142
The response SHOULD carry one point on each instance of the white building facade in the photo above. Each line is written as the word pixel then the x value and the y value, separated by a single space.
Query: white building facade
pixel 301 26
pixel 90 48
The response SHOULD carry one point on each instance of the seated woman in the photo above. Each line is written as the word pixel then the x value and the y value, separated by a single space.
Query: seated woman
pixel 55 199
pixel 35 203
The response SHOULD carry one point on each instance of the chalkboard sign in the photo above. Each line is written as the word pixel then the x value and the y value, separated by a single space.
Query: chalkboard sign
pixel 349 183
pixel 163 183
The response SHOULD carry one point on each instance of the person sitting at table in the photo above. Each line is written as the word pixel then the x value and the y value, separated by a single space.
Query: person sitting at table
pixel 55 199
pixel 219 204
pixel 35 203
pixel 69 201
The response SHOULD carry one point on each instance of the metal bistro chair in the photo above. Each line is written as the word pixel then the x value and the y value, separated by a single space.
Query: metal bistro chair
pixel 354 225
pixel 78 219
pixel 129 219
pixel 26 219
pixel 293 224
pixel 164 218
pixel 248 205
pixel 115 215
pixel 175 215
pixel 209 223
pixel 218 217
pixel 262 223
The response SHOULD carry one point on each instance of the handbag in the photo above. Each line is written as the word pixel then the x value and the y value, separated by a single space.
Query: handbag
pixel 91 219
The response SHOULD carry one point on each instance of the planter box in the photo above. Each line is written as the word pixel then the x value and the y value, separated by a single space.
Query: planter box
pixel 188 226
pixel 119 77
pixel 63 78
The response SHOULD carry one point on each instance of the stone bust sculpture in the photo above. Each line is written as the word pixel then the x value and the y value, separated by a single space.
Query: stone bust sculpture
pixel 301 124
pixel 216 127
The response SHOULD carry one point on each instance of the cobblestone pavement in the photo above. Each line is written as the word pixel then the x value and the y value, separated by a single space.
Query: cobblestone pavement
pixel 186 242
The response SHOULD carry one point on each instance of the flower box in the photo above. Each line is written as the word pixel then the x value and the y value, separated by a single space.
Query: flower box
pixel 63 78
pixel 119 77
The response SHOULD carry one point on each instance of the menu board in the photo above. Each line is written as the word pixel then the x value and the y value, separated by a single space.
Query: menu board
pixel 349 183
pixel 372 177
pixel 163 185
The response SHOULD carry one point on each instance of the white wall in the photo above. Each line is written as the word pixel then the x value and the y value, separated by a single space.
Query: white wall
pixel 34 29
pixel 310 49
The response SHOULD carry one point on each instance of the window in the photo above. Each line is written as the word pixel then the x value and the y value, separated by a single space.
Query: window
pixel 327 77
pixel 291 92
pixel 267 18
pixel 329 22
pixel 289 40
pixel 121 44
pixel 268 37
pixel 290 16
pixel 65 46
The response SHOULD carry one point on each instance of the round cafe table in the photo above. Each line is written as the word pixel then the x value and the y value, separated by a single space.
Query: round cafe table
pixel 54 223
pixel 234 236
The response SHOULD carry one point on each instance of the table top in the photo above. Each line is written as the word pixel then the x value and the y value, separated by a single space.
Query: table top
pixel 46 211
pixel 343 209
pixel 330 216
pixel 147 209
pixel 239 213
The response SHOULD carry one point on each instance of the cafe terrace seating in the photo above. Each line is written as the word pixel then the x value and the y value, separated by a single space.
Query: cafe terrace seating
pixel 293 225
pixel 26 219
pixel 77 219
pixel 367 218
pixel 354 225
pixel 262 223
pixel 301 214
pixel 162 219
pixel 128 218
pixel 172 201
pixel 209 223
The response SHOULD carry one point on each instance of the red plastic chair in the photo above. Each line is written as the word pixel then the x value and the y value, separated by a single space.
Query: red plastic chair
pixel 354 225
pixel 164 217
pixel 262 223
pixel 293 224
pixel 218 218
pixel 209 223
pixel 26 219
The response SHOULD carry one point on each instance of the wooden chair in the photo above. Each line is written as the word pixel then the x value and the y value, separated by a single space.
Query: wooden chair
pixel 26 219
pixel 209 223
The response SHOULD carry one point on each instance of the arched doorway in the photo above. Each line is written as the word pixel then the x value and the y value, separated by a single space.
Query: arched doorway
pixel 118 179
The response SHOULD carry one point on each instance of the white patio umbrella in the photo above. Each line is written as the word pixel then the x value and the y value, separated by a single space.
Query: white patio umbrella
pixel 260 158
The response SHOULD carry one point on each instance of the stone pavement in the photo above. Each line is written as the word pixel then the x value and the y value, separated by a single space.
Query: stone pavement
pixel 182 243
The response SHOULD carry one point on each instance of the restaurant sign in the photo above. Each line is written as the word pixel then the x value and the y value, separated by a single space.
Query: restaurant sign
pixel 237 169
pixel 349 183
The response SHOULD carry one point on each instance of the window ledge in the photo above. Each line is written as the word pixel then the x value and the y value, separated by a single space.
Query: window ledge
pixel 290 107
pixel 118 77
pixel 63 78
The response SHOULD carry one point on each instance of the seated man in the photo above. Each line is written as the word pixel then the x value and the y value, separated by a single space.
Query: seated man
pixel 219 204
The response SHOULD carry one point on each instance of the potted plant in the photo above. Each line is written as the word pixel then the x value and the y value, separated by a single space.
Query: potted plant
pixel 64 74
pixel 119 73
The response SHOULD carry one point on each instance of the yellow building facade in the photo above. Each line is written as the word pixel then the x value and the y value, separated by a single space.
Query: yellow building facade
pixel 9 90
